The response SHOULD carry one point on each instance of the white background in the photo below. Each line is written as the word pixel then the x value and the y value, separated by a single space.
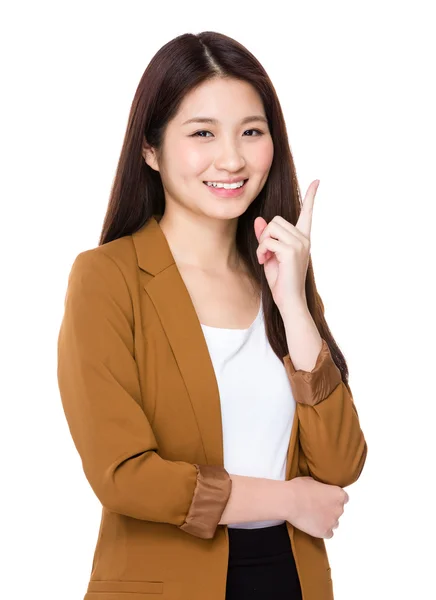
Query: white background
pixel 357 86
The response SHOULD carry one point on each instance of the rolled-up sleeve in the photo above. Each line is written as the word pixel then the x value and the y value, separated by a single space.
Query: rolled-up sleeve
pixel 329 429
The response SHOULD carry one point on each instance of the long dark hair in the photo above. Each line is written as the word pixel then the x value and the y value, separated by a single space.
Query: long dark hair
pixel 137 192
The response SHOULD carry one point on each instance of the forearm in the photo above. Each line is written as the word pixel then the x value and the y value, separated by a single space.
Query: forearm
pixel 302 335
pixel 331 438
pixel 255 499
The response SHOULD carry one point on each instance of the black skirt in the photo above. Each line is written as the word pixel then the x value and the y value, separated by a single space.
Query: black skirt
pixel 261 565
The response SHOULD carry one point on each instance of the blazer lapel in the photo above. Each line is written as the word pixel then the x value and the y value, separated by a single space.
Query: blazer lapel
pixel 177 313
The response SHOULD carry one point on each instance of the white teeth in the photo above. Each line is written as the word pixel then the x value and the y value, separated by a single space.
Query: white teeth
pixel 226 186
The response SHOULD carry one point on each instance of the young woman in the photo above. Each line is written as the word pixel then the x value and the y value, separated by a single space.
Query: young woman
pixel 202 387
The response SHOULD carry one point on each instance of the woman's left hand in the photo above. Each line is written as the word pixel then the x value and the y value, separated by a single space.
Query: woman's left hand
pixel 284 251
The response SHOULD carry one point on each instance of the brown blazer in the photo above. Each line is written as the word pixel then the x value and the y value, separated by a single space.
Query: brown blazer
pixel 140 396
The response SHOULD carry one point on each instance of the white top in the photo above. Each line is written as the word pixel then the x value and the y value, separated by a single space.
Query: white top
pixel 257 404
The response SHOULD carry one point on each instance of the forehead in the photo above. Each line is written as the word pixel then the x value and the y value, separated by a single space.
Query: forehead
pixel 227 100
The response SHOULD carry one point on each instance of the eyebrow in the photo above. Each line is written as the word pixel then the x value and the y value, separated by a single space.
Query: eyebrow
pixel 215 121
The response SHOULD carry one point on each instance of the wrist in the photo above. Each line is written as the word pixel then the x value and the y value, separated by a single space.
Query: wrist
pixel 288 501
pixel 295 309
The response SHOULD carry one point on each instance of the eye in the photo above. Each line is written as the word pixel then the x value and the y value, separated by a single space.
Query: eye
pixel 197 133
pixel 258 131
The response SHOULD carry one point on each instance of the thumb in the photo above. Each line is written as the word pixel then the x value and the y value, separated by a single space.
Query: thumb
pixel 259 226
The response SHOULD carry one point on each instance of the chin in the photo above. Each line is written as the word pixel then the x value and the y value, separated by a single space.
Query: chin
pixel 229 211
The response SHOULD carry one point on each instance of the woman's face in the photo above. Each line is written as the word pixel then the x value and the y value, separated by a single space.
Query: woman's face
pixel 195 152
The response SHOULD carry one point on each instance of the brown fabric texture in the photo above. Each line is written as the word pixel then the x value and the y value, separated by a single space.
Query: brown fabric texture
pixel 210 498
pixel 101 398
pixel 312 387
pixel 330 436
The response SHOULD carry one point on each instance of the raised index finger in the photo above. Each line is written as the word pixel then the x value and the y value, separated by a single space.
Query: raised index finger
pixel 304 223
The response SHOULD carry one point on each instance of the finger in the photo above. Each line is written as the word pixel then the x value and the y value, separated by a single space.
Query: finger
pixel 276 230
pixel 346 498
pixel 304 223
pixel 259 226
pixel 268 244
pixel 289 227
pixel 268 254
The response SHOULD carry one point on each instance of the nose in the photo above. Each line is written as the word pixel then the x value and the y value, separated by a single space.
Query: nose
pixel 229 156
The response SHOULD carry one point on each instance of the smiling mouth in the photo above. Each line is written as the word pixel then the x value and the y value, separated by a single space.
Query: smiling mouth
pixel 241 186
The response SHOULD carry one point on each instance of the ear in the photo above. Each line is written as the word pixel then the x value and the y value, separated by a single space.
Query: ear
pixel 149 155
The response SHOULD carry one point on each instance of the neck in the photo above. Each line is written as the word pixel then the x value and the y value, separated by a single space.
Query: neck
pixel 201 242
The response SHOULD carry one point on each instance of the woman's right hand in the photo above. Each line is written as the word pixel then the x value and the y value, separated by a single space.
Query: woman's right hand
pixel 315 507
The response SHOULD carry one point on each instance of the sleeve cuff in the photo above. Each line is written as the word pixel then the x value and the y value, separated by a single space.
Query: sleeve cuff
pixel 312 387
pixel 209 501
